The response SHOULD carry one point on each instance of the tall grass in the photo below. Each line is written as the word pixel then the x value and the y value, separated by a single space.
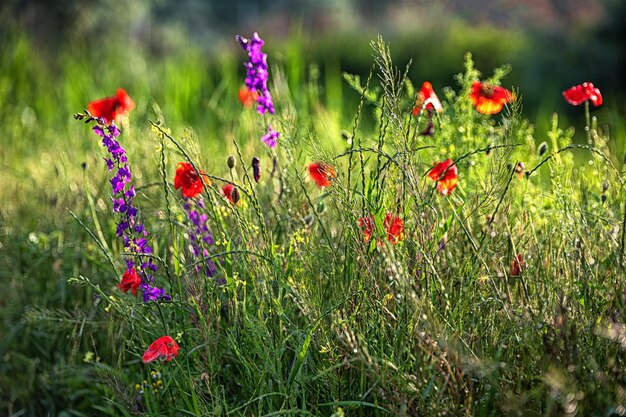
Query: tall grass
pixel 303 317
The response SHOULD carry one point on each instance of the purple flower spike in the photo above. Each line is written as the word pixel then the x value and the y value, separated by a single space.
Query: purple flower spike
pixel 199 237
pixel 257 74
pixel 129 228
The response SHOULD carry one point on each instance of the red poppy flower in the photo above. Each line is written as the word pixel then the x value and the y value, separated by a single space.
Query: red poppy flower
pixel 581 93
pixel 110 108
pixel 426 98
pixel 164 347
pixel 368 225
pixel 231 193
pixel 130 281
pixel 394 226
pixel 247 97
pixel 322 173
pixel 446 175
pixel 488 98
pixel 517 266
pixel 188 179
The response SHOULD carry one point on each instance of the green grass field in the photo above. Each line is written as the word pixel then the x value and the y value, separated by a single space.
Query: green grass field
pixel 505 297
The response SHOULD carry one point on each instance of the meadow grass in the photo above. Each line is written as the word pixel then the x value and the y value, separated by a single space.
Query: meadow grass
pixel 303 316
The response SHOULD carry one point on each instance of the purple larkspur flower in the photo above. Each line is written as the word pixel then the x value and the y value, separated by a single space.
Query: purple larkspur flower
pixel 257 73
pixel 271 137
pixel 199 237
pixel 151 293
pixel 129 228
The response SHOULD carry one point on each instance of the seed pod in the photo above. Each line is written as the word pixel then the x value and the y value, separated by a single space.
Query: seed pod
pixel 235 195
pixel 256 168
pixel 230 161
pixel 543 148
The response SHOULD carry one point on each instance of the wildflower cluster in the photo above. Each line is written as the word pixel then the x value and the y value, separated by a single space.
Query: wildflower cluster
pixel 256 78
pixel 256 83
pixel 129 227
pixel 393 225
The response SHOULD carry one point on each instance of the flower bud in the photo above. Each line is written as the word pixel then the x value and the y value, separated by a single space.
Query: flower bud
pixel 230 161
pixel 543 148
pixel 256 168
pixel 236 196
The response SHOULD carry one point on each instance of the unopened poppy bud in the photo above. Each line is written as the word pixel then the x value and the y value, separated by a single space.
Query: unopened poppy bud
pixel 605 186
pixel 603 197
pixel 235 195
pixel 256 168
pixel 321 206
pixel 543 148
pixel 230 161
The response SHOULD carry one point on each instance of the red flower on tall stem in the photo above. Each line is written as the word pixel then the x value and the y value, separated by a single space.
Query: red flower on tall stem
pixel 368 225
pixel 394 226
pixel 130 281
pixel 426 98
pixel 446 175
pixel 164 347
pixel 247 97
pixel 322 173
pixel 188 180
pixel 489 98
pixel 111 108
pixel 580 93
pixel 231 193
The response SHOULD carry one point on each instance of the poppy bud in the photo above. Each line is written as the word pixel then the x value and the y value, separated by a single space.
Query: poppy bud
pixel 543 148
pixel 321 206
pixel 605 186
pixel 603 197
pixel 235 195
pixel 509 167
pixel 256 168
pixel 230 161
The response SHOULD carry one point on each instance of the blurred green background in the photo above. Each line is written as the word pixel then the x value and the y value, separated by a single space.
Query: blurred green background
pixel 97 45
